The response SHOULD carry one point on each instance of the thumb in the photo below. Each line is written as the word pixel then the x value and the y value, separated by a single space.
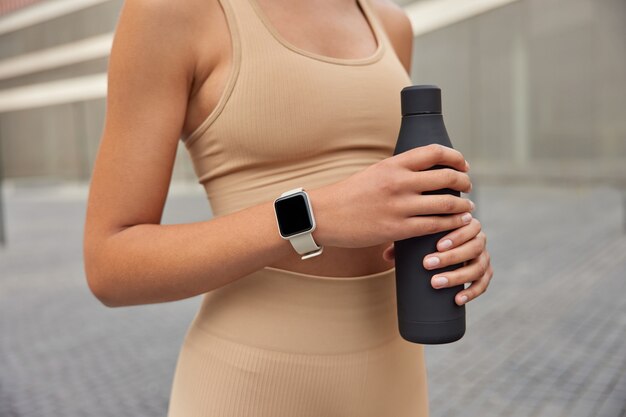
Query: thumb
pixel 389 253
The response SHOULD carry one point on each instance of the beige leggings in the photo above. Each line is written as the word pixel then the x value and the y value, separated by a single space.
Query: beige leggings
pixel 278 343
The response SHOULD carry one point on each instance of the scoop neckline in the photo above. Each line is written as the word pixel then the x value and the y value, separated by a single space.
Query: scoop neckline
pixel 375 56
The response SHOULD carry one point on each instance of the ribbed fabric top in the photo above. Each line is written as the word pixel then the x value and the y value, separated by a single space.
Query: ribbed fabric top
pixel 292 118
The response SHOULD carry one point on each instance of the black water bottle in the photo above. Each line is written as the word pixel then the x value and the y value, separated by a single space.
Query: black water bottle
pixel 425 314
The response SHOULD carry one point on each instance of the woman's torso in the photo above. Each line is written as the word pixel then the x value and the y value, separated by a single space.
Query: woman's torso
pixel 277 109
pixel 294 339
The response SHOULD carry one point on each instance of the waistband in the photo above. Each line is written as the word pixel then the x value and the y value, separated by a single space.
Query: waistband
pixel 296 312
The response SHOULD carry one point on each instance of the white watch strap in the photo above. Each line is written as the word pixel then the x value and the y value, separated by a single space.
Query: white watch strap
pixel 305 245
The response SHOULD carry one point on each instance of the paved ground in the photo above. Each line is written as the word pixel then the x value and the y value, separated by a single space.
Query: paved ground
pixel 548 339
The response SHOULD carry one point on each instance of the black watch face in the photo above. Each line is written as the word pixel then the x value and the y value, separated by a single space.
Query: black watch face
pixel 292 214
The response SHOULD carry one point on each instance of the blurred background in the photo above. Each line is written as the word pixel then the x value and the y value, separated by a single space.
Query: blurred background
pixel 534 95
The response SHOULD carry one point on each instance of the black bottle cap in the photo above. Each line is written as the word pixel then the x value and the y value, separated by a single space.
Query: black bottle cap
pixel 420 99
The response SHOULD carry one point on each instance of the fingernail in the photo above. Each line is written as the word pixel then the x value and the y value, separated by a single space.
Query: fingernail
pixel 432 261
pixel 466 218
pixel 467 164
pixel 445 244
pixel 440 282
pixel 463 299
pixel 472 204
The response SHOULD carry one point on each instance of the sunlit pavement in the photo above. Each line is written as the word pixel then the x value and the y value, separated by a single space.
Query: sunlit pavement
pixel 547 339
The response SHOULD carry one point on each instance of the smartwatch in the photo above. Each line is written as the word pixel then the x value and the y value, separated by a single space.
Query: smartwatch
pixel 295 220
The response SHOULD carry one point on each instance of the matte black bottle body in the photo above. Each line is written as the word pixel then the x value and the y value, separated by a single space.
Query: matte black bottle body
pixel 425 314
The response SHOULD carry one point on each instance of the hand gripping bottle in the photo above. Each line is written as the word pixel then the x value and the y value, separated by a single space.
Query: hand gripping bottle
pixel 425 315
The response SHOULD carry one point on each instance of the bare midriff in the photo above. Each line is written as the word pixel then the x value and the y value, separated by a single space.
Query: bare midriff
pixel 339 262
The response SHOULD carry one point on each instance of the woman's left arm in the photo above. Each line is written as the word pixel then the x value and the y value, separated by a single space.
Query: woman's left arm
pixel 467 244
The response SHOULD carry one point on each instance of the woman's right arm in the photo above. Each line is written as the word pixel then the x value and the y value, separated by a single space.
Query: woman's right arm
pixel 130 258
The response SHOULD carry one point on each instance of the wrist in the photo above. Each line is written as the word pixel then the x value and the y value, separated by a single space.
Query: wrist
pixel 319 205
pixel 295 217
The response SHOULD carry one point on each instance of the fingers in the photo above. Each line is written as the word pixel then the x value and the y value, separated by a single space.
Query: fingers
pixel 465 252
pixel 424 157
pixel 477 271
pixel 434 204
pixel 426 225
pixel 437 179
pixel 476 288
pixel 460 236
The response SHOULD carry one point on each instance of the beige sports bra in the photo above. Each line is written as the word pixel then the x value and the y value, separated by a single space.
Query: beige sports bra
pixel 291 118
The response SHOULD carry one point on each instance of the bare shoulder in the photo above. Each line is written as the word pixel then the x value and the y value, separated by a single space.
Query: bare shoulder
pixel 174 26
pixel 397 25
pixel 179 14
pixel 394 18
pixel 189 36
